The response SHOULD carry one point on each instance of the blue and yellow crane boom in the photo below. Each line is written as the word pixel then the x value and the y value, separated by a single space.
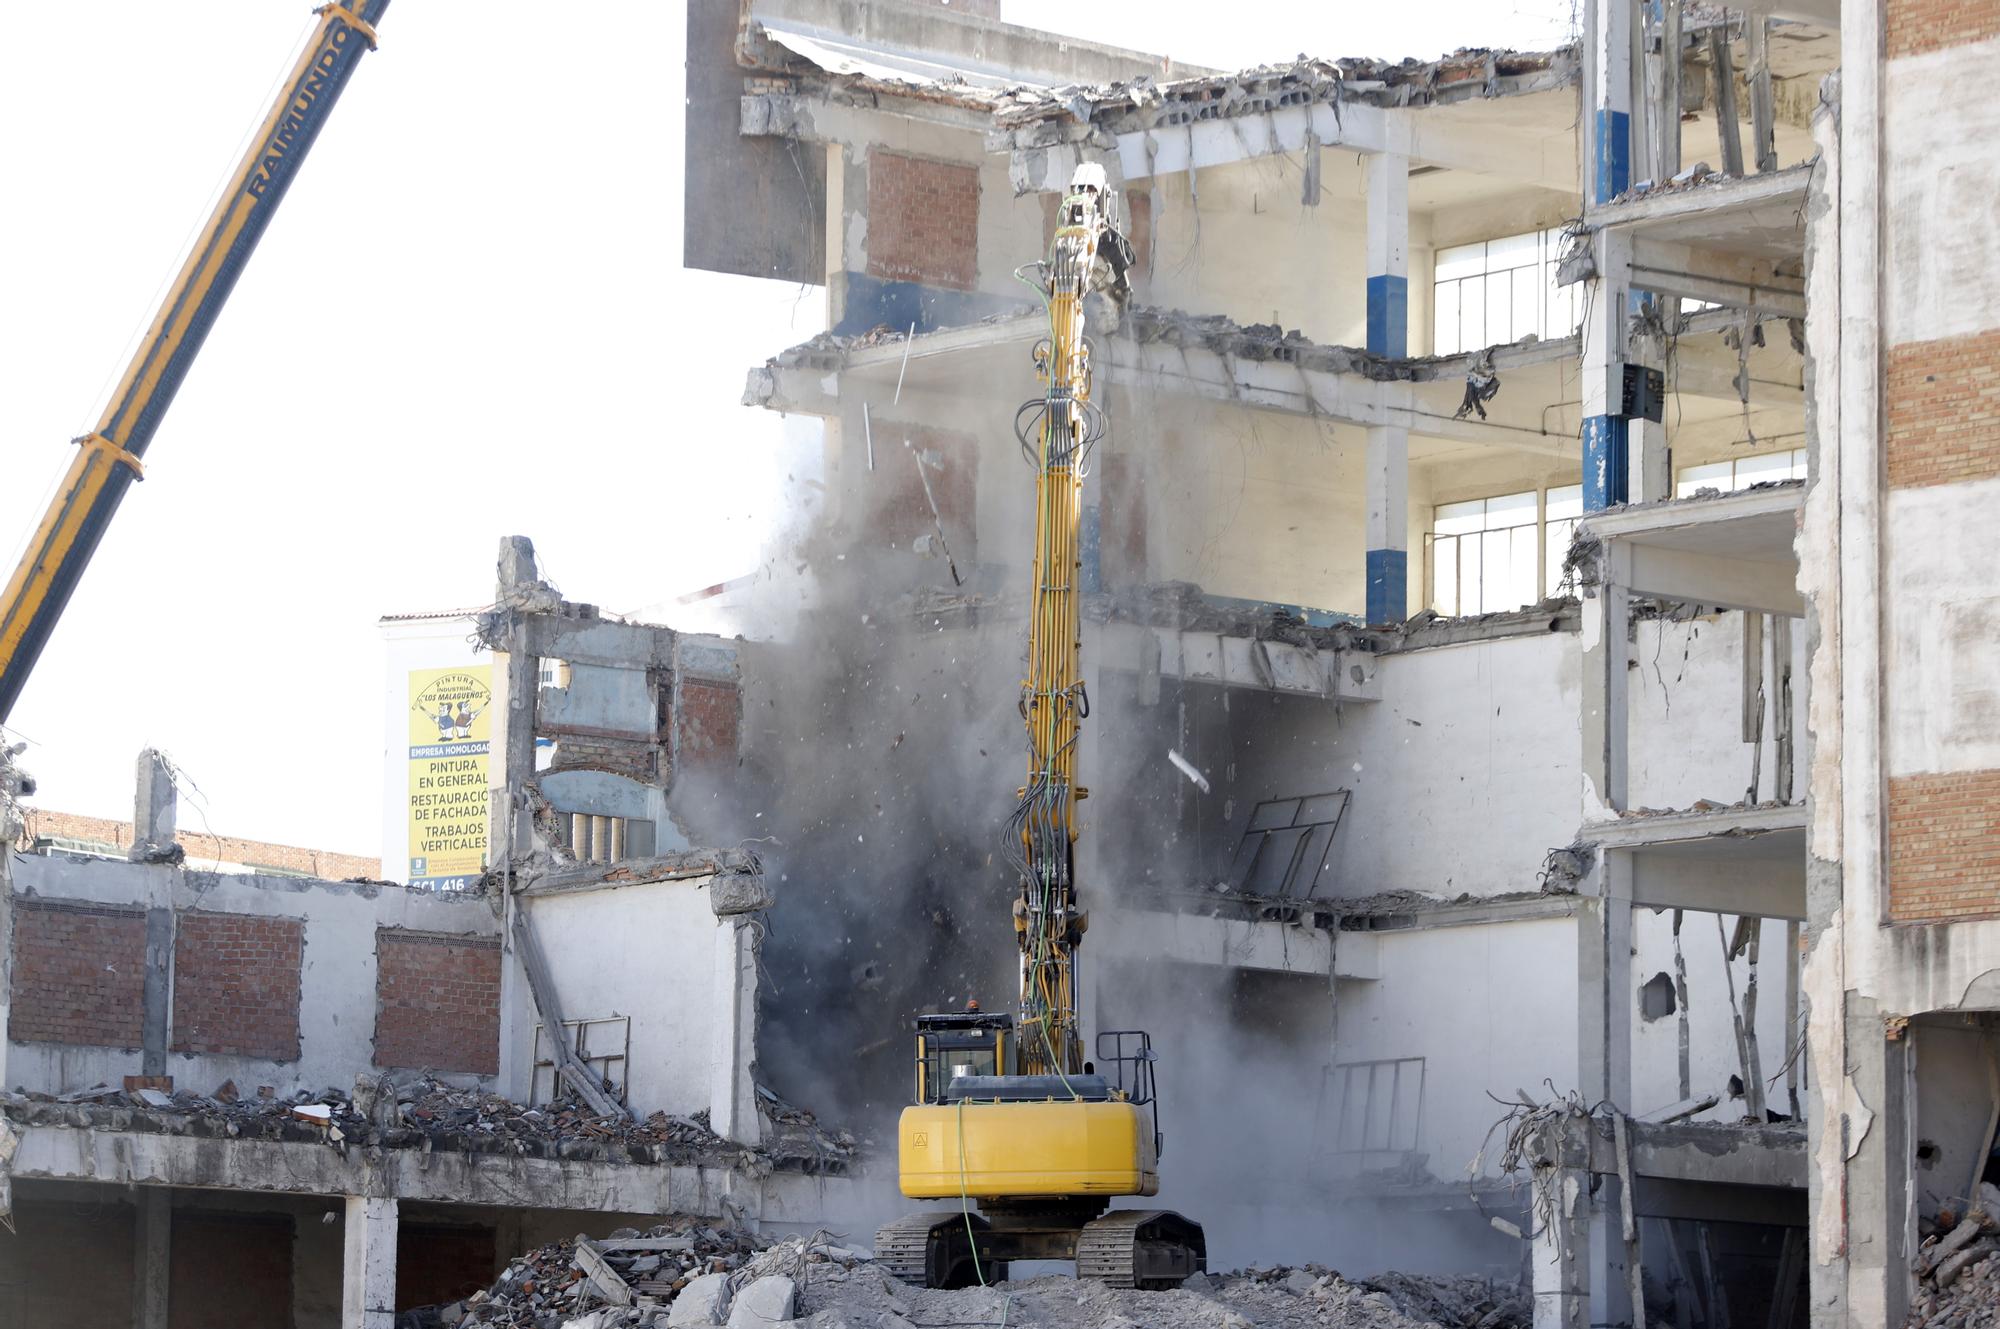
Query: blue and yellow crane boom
pixel 108 459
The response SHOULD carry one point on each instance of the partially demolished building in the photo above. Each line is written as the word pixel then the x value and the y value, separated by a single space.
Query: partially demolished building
pixel 1473 720
pixel 359 1096
pixel 1538 642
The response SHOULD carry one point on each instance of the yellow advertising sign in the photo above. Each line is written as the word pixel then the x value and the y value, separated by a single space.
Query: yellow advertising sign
pixel 449 728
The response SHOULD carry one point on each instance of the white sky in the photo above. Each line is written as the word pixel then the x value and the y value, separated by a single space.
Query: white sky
pixel 468 319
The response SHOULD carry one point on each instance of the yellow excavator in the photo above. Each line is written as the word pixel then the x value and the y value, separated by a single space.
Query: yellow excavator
pixel 108 459
pixel 1008 1114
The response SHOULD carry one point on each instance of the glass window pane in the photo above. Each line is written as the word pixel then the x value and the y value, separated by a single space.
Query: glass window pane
pixel 1459 261
pixel 1444 575
pixel 1798 471
pixel 1527 564
pixel 1470 594
pixel 1565 501
pixel 1499 304
pixel 1715 475
pixel 1510 510
pixel 1472 314
pixel 1758 470
pixel 1513 251
pixel 1459 518
pixel 1445 338
pixel 1499 585
pixel 1565 314
pixel 1527 303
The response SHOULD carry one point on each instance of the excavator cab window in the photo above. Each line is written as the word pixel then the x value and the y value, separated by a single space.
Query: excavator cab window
pixel 958 1044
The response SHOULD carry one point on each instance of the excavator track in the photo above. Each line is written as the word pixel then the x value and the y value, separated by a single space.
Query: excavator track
pixel 1150 1249
pixel 935 1251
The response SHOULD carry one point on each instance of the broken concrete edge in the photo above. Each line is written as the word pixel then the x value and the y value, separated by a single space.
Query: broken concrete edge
pixel 285 1128
pixel 1149 325
pixel 829 352
pixel 1145 103
pixel 1390 911
pixel 1185 607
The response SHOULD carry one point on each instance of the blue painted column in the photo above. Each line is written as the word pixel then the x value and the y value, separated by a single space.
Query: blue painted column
pixel 1388 457
pixel 1607 171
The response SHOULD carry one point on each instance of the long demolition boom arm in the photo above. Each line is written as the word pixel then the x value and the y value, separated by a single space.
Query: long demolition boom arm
pixel 108 458
pixel 1057 432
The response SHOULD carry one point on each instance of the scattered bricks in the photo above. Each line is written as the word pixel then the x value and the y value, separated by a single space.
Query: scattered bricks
pixel 627 757
pixel 79 974
pixel 1944 846
pixel 709 717
pixel 437 1001
pixel 1913 27
pixel 923 220
pixel 1943 404
pixel 236 985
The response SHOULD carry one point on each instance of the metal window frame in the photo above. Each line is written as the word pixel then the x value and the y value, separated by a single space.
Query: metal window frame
pixel 610 1066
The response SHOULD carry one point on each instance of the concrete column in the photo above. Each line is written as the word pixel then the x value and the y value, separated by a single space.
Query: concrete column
pixel 1388 476
pixel 1607 173
pixel 154 805
pixel 732 1093
pixel 1607 650
pixel 1560 1248
pixel 152 1256
pixel 1881 1220
pixel 1604 1065
pixel 368 1267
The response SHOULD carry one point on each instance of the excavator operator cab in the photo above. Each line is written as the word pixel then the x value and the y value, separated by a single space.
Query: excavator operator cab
pixel 952 1044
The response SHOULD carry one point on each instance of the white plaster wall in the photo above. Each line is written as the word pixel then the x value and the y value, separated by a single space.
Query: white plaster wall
pixel 1712 1056
pixel 1943 641
pixel 336 982
pixel 1464 775
pixel 1685 714
pixel 1252 504
pixel 1490 1008
pixel 1253 251
pixel 648 952
pixel 1942 259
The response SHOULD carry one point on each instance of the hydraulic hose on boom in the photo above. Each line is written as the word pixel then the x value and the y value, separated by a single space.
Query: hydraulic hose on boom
pixel 108 458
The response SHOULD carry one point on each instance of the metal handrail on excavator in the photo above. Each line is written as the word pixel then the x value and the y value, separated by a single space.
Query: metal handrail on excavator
pixel 108 458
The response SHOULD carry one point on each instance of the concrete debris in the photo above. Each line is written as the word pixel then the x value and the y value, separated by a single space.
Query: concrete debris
pixel 1958 1270
pixel 772 1299
pixel 565 1282
pixel 1275 1298
pixel 1146 103
pixel 426 1113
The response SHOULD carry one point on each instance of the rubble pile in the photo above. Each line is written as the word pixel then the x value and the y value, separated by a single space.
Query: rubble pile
pixel 837 1296
pixel 1958 1267
pixel 687 1276
pixel 627 1278
pixel 425 1112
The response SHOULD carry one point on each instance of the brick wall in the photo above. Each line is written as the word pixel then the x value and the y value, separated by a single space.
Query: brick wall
pixel 710 720
pixel 44 825
pixel 236 985
pixel 1943 402
pixel 1912 27
pixel 79 974
pixel 1944 846
pixel 634 760
pixel 923 220
pixel 437 1001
